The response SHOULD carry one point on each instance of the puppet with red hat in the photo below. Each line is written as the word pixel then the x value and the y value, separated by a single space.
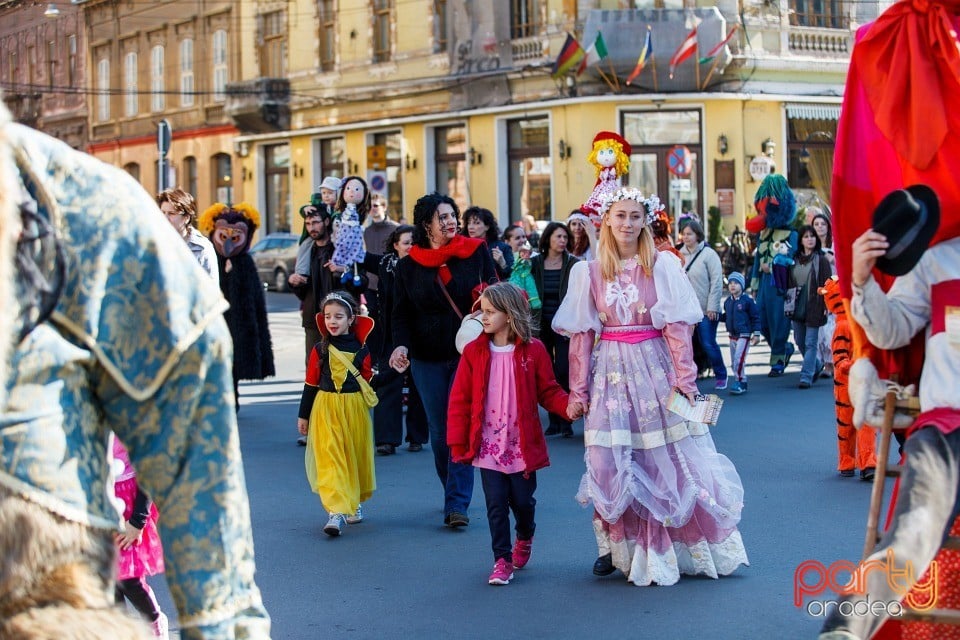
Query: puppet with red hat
pixel 611 158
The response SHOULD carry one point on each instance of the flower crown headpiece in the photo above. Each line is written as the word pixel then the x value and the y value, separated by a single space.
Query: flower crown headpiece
pixel 651 204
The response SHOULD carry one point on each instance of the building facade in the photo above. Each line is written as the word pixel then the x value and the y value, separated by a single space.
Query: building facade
pixel 463 101
pixel 43 71
pixel 166 60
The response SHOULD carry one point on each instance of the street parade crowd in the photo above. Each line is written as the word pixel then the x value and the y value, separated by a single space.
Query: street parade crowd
pixel 124 338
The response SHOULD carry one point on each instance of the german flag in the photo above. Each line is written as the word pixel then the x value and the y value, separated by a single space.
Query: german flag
pixel 570 56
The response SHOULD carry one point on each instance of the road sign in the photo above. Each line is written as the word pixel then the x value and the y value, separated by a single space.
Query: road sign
pixel 761 167
pixel 378 183
pixel 164 133
pixel 377 156
pixel 680 161
pixel 680 185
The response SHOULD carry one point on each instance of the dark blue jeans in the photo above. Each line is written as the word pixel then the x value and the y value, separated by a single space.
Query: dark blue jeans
pixel 707 330
pixel 505 492
pixel 433 380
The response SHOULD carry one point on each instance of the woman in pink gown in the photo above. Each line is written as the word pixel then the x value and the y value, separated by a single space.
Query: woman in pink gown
pixel 665 502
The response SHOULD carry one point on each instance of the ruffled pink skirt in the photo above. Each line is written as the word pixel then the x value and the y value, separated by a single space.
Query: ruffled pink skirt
pixel 145 558
pixel 665 502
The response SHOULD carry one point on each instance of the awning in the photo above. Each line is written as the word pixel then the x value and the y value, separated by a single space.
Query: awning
pixel 813 111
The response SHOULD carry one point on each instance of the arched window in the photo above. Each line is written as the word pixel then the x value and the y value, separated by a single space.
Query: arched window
pixel 220 74
pixel 190 175
pixel 133 169
pixel 131 98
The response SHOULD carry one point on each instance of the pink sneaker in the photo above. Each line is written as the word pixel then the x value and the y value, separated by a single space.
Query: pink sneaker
pixel 502 572
pixel 521 553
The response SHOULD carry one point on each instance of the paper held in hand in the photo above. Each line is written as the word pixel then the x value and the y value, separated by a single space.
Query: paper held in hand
pixel 705 410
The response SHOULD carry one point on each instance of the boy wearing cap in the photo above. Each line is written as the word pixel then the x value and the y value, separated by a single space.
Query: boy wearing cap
pixel 326 198
pixel 742 319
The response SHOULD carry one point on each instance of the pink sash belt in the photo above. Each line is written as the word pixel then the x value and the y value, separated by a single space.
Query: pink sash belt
pixel 631 336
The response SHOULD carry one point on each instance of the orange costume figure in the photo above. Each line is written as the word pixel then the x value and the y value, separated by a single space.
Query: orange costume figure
pixel 857 449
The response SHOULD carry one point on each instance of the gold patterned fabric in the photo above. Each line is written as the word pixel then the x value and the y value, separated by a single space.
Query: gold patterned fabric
pixel 137 345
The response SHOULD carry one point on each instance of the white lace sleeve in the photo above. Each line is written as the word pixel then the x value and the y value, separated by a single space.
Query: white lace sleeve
pixel 676 299
pixel 577 312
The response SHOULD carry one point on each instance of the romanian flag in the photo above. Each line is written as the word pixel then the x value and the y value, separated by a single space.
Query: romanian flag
pixel 686 49
pixel 717 49
pixel 646 54
pixel 596 53
pixel 570 56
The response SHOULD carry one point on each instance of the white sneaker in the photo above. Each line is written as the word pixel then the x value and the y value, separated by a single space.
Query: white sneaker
pixel 334 524
pixel 357 517
pixel 159 628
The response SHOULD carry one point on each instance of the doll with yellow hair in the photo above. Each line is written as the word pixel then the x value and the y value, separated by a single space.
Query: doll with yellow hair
pixel 611 158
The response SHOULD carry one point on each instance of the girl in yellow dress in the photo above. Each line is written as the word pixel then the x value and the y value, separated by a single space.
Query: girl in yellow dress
pixel 334 415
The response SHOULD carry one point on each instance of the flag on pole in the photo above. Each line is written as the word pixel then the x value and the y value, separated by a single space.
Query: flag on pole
pixel 717 49
pixel 570 56
pixel 686 49
pixel 595 53
pixel 645 55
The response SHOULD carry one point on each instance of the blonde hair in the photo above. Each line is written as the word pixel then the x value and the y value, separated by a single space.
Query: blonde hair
pixel 610 257
pixel 511 300
pixel 623 162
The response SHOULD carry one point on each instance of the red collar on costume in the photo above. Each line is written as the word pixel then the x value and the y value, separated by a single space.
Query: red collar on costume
pixel 362 326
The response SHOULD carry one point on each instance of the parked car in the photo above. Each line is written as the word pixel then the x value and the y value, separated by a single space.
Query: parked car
pixel 276 258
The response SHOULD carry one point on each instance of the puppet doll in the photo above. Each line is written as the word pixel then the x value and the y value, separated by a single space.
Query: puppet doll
pixel 611 158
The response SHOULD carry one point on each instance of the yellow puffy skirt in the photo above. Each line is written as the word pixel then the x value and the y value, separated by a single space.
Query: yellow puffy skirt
pixel 339 457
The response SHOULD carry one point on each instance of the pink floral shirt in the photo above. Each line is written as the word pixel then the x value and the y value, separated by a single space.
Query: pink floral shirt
pixel 500 437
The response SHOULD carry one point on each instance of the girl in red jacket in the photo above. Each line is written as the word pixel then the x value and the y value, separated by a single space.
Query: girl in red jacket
pixel 493 421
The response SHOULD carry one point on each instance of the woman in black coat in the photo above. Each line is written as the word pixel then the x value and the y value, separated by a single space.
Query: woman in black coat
pixel 436 285
pixel 551 270
pixel 388 414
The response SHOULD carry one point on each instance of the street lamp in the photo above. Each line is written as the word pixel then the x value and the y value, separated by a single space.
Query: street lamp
pixel 52 11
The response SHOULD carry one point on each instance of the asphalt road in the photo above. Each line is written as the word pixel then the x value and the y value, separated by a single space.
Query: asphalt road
pixel 401 574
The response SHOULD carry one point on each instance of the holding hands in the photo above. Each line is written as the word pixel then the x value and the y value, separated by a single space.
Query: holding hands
pixel 575 410
pixel 399 360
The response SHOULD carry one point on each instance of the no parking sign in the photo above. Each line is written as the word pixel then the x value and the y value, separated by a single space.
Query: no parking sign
pixel 680 161
pixel 378 183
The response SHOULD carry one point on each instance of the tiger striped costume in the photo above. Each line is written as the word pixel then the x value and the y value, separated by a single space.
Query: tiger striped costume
pixel 857 449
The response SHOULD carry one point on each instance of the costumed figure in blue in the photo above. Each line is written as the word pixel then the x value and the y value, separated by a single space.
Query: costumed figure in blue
pixel 230 229
pixel 353 205
pixel 776 210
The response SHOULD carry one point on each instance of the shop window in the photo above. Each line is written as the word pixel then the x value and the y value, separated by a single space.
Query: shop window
pixel 529 169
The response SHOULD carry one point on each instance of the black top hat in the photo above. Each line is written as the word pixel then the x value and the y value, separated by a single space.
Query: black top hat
pixel 909 219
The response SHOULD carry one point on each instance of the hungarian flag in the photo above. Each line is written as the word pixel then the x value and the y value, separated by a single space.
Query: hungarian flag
pixel 596 53
pixel 717 49
pixel 646 54
pixel 686 49
pixel 570 56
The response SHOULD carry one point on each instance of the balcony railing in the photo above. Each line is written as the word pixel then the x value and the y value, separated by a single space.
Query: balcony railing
pixel 527 48
pixel 820 42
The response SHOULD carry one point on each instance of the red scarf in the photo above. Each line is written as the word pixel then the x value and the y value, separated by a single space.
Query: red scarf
pixel 459 247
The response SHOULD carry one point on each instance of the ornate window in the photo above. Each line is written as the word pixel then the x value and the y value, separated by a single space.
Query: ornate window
pixel 157 88
pixel 187 86
pixel 831 14
pixel 382 12
pixel 131 104
pixel 220 65
pixel 524 18
pixel 328 34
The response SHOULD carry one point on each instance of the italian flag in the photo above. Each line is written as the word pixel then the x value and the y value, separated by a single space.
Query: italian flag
pixel 595 53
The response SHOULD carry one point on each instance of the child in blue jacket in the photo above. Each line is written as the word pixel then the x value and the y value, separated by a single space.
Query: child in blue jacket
pixel 742 318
